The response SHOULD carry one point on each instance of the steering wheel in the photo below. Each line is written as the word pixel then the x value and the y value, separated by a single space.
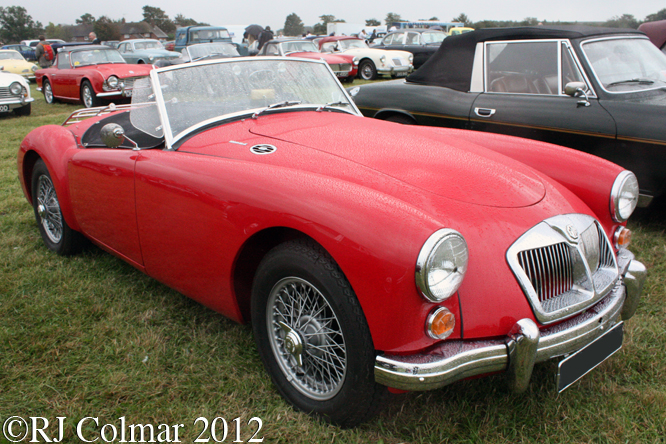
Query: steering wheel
pixel 261 79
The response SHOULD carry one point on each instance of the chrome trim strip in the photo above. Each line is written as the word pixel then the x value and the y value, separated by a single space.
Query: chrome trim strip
pixel 108 94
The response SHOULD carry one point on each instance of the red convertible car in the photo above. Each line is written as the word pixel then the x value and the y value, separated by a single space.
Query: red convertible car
pixel 345 67
pixel 418 258
pixel 89 74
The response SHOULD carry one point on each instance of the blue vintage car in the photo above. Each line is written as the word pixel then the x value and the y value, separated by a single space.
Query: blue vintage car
pixel 145 51
pixel 26 51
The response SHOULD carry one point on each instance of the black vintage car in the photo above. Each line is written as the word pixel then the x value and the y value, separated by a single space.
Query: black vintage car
pixel 602 91
pixel 422 43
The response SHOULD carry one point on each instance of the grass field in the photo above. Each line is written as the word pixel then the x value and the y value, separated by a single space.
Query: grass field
pixel 90 336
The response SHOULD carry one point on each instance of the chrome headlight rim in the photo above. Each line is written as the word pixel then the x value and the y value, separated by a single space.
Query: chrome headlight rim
pixel 437 240
pixel 112 82
pixel 382 59
pixel 618 210
pixel 34 68
pixel 15 89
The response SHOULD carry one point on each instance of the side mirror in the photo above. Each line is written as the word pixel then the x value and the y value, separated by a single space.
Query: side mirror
pixel 577 89
pixel 113 135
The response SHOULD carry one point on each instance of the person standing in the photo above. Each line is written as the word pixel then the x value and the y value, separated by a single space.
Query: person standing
pixel 40 53
pixel 93 38
pixel 265 36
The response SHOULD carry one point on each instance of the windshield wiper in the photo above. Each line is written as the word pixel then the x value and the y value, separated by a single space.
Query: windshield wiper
pixel 332 104
pixel 637 80
pixel 277 105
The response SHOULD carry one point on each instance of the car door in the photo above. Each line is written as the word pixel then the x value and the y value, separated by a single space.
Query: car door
pixel 102 190
pixel 125 50
pixel 523 96
pixel 63 77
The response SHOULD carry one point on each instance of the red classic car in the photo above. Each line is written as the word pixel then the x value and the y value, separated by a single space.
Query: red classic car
pixel 344 66
pixel 89 74
pixel 414 259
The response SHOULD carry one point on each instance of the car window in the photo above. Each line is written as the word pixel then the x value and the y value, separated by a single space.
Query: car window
pixel 570 71
pixel 11 55
pixel 626 64
pixel 413 39
pixel 521 67
pixel 388 39
pixel 272 49
pixel 433 37
pixel 399 38
pixel 63 60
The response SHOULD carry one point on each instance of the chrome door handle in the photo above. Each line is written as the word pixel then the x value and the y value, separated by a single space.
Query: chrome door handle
pixel 484 112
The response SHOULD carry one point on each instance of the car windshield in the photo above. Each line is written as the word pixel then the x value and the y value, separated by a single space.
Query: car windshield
pixel 627 64
pixel 433 37
pixel 148 45
pixel 11 55
pixel 352 44
pixel 299 46
pixel 211 49
pixel 194 95
pixel 95 57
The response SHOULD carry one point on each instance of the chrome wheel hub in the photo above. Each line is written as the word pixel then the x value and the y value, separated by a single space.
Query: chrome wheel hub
pixel 306 338
pixel 48 209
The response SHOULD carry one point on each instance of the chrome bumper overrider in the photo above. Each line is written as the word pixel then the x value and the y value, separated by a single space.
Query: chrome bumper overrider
pixel 524 346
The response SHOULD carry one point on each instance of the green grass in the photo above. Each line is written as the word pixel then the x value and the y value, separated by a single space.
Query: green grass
pixel 91 336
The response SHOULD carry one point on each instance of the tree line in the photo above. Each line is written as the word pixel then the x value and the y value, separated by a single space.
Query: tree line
pixel 16 24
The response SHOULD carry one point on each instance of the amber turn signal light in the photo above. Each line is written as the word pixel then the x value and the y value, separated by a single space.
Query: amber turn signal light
pixel 440 323
pixel 622 237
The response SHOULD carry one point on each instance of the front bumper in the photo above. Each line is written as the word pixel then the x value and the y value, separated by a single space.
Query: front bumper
pixel 524 346
pixel 394 70
pixel 18 103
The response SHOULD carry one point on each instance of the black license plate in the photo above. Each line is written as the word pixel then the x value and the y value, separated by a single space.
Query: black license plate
pixel 577 365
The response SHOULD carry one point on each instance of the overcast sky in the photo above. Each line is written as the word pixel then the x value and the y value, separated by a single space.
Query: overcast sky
pixel 274 12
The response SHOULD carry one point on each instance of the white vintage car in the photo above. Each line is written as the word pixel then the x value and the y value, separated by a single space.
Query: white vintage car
pixel 372 61
pixel 14 94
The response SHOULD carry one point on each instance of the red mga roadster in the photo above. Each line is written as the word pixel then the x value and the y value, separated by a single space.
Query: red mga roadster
pixel 370 257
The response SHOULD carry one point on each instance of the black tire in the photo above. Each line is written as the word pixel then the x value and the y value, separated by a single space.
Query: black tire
pixel 400 118
pixel 367 70
pixel 88 96
pixel 55 232
pixel 48 92
pixel 340 386
pixel 24 110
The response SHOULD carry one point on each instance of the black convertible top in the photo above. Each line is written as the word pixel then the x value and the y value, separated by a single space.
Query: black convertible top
pixel 451 65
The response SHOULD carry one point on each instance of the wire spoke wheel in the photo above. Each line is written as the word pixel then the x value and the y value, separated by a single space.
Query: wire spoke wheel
pixel 306 338
pixel 48 209
pixel 48 93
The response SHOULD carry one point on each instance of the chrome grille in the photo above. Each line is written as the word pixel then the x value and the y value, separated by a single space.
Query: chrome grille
pixel 549 269
pixel 564 265
pixel 397 62
pixel 344 67
pixel 5 94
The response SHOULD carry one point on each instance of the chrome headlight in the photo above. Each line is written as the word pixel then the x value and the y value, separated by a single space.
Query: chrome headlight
pixel 355 60
pixel 410 58
pixel 382 59
pixel 15 89
pixel 441 265
pixel 34 68
pixel 112 82
pixel 624 196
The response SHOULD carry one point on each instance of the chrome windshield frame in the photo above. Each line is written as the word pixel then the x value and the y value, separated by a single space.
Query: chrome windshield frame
pixel 171 140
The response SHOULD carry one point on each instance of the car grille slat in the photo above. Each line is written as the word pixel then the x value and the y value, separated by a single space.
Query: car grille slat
pixel 5 94
pixel 549 269
pixel 564 264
